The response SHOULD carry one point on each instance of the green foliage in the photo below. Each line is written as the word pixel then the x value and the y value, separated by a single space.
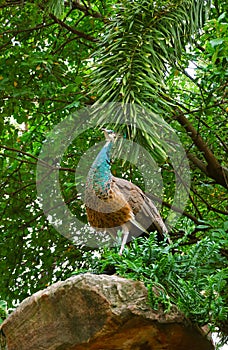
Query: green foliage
pixel 138 47
pixel 3 310
pixel 193 278
pixel 57 57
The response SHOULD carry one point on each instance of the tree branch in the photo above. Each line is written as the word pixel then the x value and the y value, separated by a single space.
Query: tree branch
pixel 61 47
pixel 87 10
pixel 209 207
pixel 174 208
pixel 198 163
pixel 45 164
pixel 73 30
pixel 20 151
pixel 213 168
pixel 39 26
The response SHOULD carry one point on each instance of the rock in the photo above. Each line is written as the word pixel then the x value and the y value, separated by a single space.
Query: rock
pixel 98 312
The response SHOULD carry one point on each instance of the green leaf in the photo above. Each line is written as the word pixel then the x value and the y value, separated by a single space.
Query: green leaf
pixel 216 42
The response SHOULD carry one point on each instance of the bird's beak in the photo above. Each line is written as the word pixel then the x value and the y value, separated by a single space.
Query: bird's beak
pixel 105 130
pixel 105 133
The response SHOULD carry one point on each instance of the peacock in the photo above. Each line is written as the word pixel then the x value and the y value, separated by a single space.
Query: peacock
pixel 114 204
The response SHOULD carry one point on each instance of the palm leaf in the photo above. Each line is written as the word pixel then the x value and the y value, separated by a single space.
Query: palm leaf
pixel 140 43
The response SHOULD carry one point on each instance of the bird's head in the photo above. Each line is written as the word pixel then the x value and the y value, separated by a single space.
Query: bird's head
pixel 110 135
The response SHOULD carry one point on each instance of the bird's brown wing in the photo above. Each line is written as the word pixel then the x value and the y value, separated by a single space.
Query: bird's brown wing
pixel 143 208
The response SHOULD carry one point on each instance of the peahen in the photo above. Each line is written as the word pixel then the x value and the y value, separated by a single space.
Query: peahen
pixel 114 204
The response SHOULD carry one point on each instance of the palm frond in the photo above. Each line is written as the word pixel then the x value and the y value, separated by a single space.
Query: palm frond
pixel 139 45
pixel 56 7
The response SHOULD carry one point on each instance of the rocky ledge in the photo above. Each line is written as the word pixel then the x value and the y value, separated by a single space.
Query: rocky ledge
pixel 98 312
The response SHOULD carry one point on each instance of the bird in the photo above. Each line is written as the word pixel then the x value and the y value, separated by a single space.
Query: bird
pixel 114 203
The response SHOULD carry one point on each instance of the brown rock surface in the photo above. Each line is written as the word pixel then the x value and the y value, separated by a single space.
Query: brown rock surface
pixel 98 312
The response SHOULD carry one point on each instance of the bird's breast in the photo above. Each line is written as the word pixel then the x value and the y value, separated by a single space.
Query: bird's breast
pixel 106 210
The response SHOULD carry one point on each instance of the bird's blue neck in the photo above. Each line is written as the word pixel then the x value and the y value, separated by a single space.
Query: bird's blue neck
pixel 100 171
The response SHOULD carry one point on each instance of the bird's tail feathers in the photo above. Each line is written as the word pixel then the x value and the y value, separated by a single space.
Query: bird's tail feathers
pixel 138 225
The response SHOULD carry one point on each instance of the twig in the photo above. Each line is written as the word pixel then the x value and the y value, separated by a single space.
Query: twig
pixel 174 208
pixel 45 164
pixel 73 30
pixel 85 9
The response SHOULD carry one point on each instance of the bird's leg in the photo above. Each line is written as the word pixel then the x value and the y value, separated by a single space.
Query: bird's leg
pixel 124 239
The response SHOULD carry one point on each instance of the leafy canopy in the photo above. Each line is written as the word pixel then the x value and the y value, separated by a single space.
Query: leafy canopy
pixel 169 57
